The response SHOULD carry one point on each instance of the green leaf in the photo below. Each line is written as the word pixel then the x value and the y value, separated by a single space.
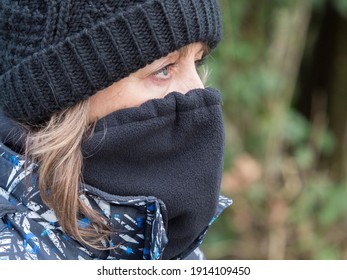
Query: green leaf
pixel 341 6
pixel 304 157
pixel 335 206
pixel 296 130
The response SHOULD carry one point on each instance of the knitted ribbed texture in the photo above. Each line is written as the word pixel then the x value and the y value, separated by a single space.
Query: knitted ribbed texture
pixel 55 53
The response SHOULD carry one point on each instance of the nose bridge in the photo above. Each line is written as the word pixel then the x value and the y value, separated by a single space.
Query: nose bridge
pixel 190 79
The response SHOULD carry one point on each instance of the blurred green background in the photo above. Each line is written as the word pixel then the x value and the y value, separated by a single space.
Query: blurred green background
pixel 282 71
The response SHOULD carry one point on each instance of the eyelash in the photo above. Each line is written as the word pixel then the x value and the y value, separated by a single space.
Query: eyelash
pixel 198 64
pixel 166 67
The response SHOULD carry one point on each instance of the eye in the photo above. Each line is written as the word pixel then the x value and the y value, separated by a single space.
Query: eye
pixel 201 70
pixel 200 62
pixel 164 73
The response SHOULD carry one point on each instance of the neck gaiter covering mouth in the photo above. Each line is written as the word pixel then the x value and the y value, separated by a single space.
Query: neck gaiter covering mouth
pixel 170 148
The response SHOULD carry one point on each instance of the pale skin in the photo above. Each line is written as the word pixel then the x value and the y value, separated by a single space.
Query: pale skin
pixel 175 72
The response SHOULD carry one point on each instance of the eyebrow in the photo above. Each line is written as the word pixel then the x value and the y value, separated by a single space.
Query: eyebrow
pixel 204 48
pixel 180 53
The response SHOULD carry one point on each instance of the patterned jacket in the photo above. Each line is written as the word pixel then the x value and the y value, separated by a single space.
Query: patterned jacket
pixel 30 230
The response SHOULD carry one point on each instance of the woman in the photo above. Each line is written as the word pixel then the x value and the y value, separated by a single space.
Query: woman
pixel 111 147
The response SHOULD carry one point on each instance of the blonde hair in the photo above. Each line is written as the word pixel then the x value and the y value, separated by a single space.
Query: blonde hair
pixel 56 148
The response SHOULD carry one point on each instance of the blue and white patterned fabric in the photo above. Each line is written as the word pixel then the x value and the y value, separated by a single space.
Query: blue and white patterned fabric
pixel 30 230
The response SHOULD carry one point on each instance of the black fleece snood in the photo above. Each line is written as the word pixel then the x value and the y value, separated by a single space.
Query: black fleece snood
pixel 170 148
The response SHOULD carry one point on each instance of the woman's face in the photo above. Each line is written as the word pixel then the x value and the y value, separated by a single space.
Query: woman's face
pixel 175 72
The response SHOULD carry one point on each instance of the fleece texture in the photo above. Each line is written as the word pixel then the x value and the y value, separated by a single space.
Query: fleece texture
pixel 170 148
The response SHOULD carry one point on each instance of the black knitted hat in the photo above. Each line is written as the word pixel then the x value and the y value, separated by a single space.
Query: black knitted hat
pixel 56 53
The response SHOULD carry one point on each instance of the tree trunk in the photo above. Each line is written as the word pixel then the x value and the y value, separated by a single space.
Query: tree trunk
pixel 338 98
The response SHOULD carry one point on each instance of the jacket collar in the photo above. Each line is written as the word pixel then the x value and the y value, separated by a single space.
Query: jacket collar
pixel 140 221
